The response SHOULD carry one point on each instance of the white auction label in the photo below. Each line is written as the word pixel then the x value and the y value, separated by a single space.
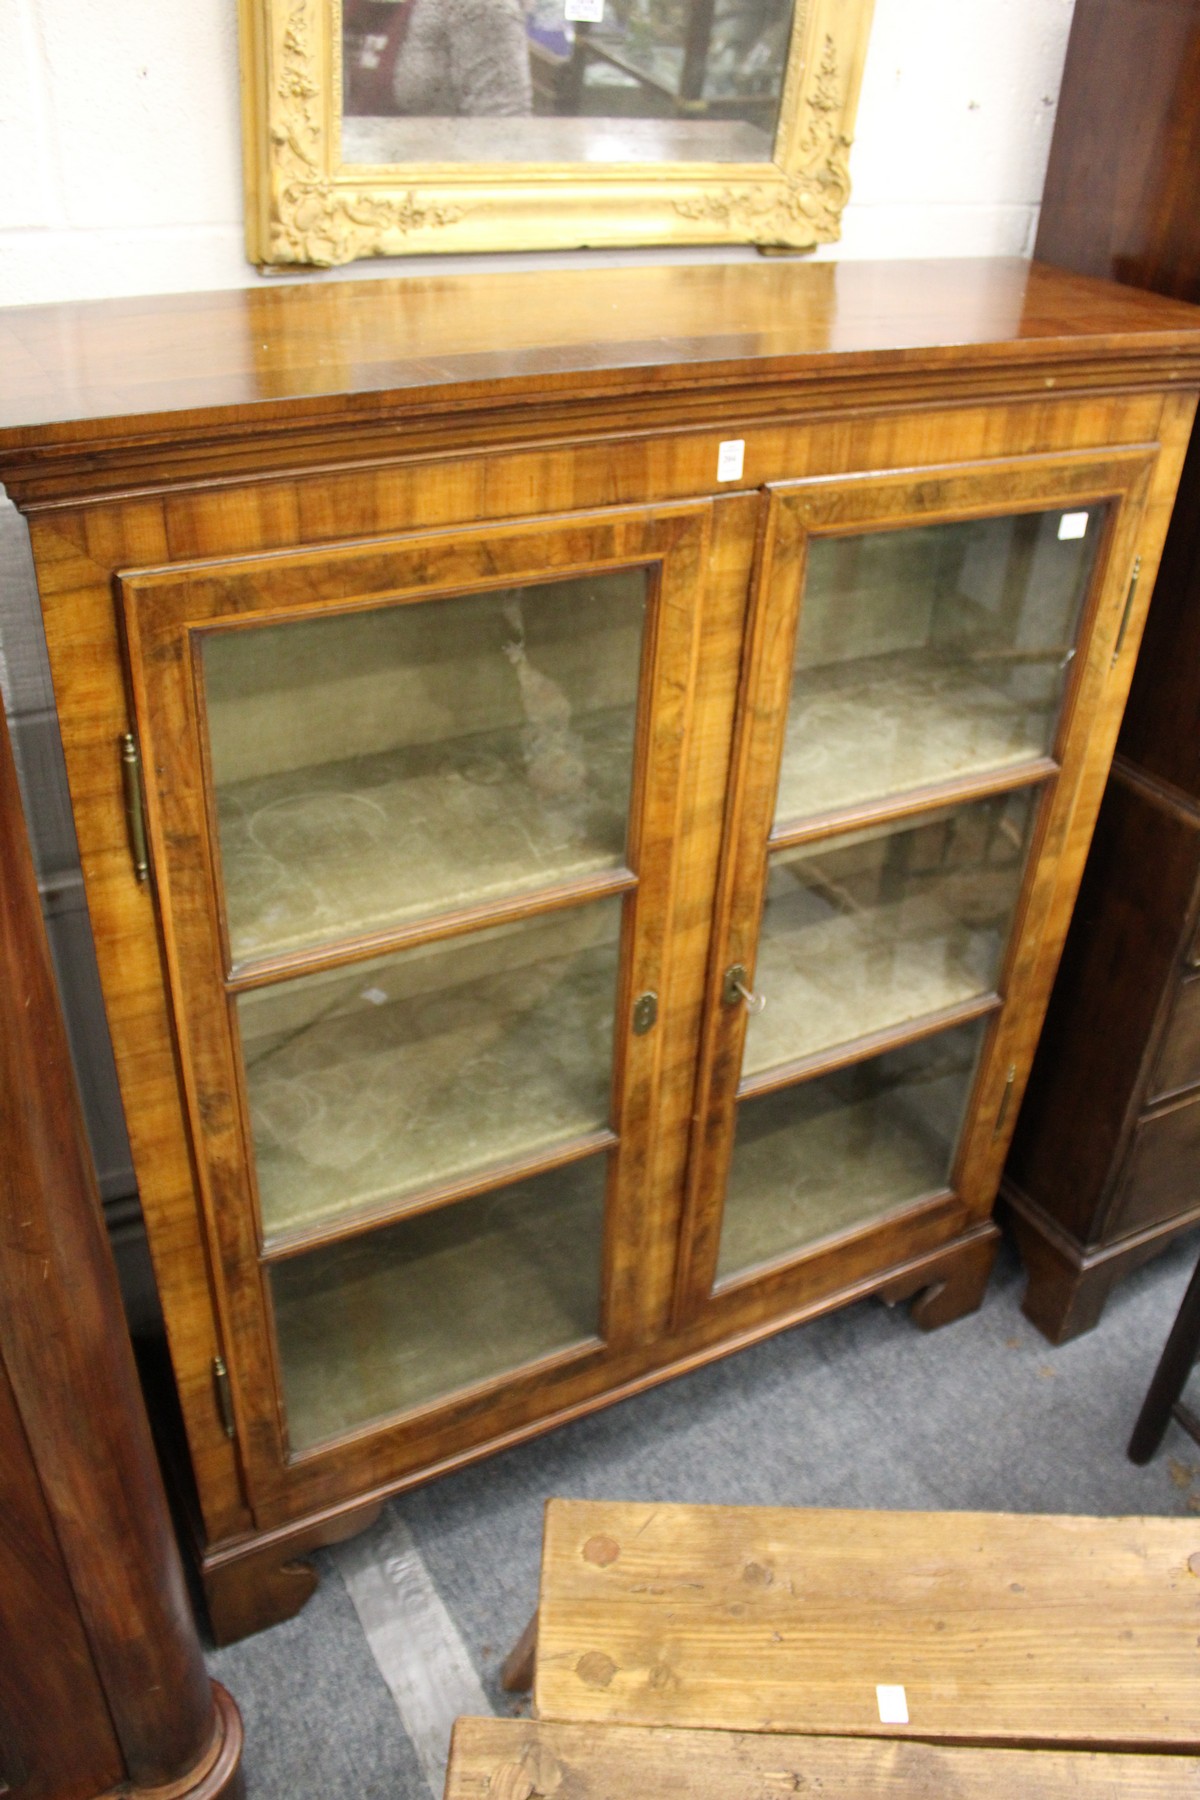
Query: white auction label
pixel 731 459
pixel 588 12
pixel 1072 525
pixel 893 1705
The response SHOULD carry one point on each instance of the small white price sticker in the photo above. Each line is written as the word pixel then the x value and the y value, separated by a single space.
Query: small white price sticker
pixel 1072 525
pixel 893 1705
pixel 731 459
pixel 588 12
pixel 375 995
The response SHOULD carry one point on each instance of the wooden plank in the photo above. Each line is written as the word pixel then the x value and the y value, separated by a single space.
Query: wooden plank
pixel 1000 1628
pixel 525 1759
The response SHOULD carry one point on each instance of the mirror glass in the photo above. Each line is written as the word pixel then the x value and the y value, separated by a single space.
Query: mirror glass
pixel 562 81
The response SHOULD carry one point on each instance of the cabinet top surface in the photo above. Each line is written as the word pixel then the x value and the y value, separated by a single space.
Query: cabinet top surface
pixel 88 372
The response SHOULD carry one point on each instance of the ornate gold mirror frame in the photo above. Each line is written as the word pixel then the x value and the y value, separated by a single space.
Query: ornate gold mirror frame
pixel 306 204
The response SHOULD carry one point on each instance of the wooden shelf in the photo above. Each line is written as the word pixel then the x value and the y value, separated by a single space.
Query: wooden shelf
pixel 881 927
pixel 856 974
pixel 375 1084
pixel 882 725
pixel 446 1301
pixel 815 1160
pixel 341 849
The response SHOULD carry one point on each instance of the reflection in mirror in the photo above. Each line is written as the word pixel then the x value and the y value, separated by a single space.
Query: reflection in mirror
pixel 522 81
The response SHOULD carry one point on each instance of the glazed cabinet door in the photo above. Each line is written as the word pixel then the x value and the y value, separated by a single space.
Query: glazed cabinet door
pixel 413 810
pixel 925 653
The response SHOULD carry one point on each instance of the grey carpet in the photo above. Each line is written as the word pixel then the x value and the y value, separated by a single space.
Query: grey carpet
pixel 857 1409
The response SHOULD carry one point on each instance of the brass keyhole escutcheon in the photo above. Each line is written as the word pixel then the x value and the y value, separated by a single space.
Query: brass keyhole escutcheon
pixel 645 1012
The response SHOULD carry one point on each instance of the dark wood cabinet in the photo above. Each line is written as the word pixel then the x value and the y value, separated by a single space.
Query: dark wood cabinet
pixel 1104 1168
pixel 103 1687
pixel 527 678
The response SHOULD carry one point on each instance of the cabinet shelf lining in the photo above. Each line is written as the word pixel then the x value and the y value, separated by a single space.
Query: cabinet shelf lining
pixel 340 850
pixel 930 723
pixel 439 1304
pixel 392 1081
pixel 814 1161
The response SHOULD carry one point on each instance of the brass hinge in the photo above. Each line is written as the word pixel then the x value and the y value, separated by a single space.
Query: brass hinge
pixel 1124 627
pixel 224 1395
pixel 1005 1099
pixel 135 816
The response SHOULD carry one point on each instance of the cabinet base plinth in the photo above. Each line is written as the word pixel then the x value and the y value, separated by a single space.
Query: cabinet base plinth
pixel 268 1579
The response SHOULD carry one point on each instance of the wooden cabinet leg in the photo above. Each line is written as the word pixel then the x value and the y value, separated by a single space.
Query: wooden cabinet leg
pixel 1170 1377
pixel 1064 1303
pixel 516 1677
pixel 270 1580
pixel 1069 1283
pixel 959 1287
pixel 243 1599
pixel 948 1285
pixel 1063 1297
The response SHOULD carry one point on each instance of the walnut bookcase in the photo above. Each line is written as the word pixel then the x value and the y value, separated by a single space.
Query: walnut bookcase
pixel 503 745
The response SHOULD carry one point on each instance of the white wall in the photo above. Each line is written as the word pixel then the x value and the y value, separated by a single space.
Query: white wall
pixel 120 152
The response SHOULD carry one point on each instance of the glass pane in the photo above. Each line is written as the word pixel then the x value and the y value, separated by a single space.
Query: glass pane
pixel 877 927
pixel 376 1081
pixel 520 81
pixel 930 653
pixel 451 1298
pixel 844 1149
pixel 374 767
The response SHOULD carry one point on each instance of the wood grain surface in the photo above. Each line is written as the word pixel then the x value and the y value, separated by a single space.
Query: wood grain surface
pixel 166 380
pixel 523 1759
pixel 1027 1631
pixel 56 1736
pixel 102 360
pixel 1120 194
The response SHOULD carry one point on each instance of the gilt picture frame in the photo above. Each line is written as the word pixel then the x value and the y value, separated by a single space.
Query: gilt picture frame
pixel 324 188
